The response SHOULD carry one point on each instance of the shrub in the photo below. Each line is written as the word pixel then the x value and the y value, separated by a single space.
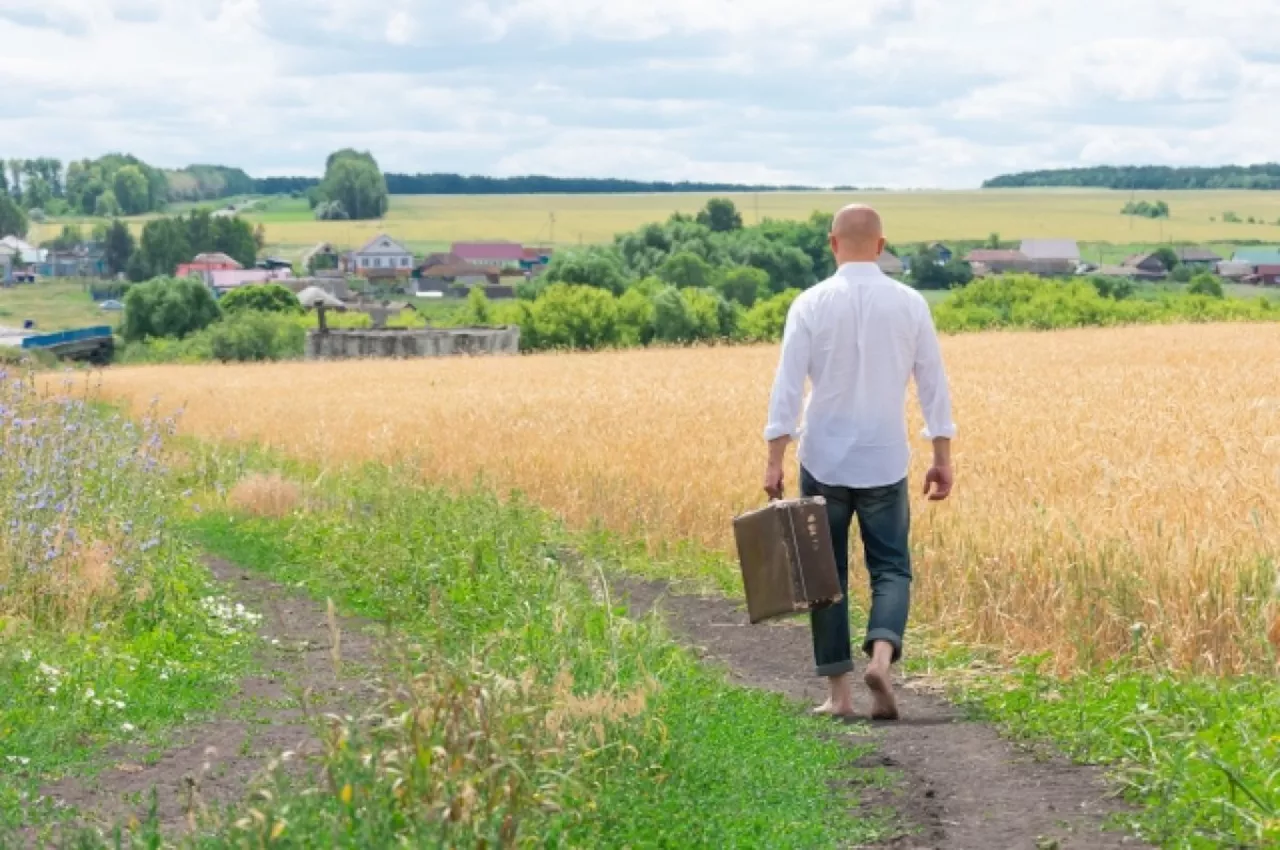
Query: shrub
pixel 766 320
pixel 255 336
pixel 1206 284
pixel 264 298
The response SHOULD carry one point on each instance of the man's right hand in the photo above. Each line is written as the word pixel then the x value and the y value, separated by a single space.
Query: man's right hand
pixel 939 481
pixel 773 481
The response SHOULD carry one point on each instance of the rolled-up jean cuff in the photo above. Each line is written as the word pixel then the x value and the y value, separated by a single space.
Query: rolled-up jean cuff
pixel 839 668
pixel 875 635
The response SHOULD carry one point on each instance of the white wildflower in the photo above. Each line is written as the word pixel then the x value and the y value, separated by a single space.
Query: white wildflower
pixel 127 727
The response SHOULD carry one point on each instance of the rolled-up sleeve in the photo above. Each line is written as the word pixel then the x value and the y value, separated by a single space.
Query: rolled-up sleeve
pixel 931 381
pixel 788 385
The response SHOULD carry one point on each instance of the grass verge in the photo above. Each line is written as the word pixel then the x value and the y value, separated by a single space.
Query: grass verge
pixel 1200 756
pixel 531 710
pixel 110 631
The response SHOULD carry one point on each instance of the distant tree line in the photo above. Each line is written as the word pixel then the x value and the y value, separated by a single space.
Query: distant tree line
pixel 112 185
pixel 1264 176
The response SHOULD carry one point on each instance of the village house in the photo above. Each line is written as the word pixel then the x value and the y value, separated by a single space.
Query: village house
pixel 997 261
pixel 24 253
pixel 381 256
pixel 225 280
pixel 1230 270
pixel 1268 274
pixel 87 260
pixel 1145 266
pixel 1200 259
pixel 1051 257
pixel 1257 256
pixel 203 265
pixel 943 253
pixel 500 254
pixel 890 264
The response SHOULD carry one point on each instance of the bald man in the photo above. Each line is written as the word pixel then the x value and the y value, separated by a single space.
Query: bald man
pixel 859 337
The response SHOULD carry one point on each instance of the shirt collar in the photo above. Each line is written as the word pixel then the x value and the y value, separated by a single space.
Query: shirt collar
pixel 858 269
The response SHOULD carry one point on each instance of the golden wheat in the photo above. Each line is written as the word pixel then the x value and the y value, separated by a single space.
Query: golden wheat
pixel 1117 488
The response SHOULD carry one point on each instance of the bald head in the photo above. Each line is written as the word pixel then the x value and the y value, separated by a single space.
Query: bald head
pixel 857 235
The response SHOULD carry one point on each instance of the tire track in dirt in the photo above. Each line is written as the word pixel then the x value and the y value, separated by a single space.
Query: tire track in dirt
pixel 215 762
pixel 966 788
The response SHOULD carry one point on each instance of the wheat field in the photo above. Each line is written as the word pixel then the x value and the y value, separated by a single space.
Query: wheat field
pixel 432 222
pixel 1118 488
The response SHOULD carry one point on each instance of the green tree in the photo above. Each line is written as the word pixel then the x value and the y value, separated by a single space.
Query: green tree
pixel 1167 257
pixel 162 248
pixel 993 242
pixel 686 269
pixel 596 266
pixel 353 179
pixel 1181 274
pixel 720 215
pixel 106 206
pixel 929 272
pixel 233 236
pixel 1206 284
pixel 132 190
pixel 13 220
pixel 261 298
pixel 479 311
pixel 38 194
pixel 120 247
pixel 743 284
pixel 168 307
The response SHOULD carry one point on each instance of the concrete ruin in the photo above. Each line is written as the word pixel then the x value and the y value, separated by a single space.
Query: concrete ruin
pixel 417 342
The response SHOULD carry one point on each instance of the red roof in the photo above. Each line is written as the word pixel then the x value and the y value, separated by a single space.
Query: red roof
pixel 488 251
pixel 1268 271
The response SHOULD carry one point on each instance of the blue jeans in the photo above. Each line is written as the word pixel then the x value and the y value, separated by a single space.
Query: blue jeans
pixel 884 521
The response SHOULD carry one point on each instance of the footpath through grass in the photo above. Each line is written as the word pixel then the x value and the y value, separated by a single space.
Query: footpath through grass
pixel 530 709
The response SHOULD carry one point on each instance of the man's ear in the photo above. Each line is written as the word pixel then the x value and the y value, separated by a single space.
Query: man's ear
pixel 883 242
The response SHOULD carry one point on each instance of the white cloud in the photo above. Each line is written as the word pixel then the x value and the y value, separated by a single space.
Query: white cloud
pixel 877 92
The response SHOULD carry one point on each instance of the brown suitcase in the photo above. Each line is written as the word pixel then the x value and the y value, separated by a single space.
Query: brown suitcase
pixel 788 562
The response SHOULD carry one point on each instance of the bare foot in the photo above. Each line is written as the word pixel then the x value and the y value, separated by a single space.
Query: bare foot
pixel 833 708
pixel 883 704
pixel 840 703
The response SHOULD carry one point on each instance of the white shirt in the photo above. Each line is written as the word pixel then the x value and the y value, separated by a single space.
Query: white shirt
pixel 859 337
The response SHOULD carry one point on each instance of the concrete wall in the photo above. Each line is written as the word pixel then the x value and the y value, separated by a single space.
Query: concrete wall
pixel 429 342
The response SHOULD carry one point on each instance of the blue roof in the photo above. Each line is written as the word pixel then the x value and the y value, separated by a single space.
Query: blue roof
pixel 1257 256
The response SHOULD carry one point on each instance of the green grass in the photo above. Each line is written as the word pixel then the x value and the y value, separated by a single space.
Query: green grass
pixel 490 593
pixel 107 631
pixel 1200 756
pixel 54 305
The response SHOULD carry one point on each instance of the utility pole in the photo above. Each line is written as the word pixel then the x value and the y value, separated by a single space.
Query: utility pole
pixel 552 219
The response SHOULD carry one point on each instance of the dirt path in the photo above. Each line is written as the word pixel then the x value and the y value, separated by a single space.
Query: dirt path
pixel 215 762
pixel 966 788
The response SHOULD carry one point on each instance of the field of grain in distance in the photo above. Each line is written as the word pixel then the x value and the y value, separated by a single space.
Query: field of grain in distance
pixel 1118 488
pixel 432 222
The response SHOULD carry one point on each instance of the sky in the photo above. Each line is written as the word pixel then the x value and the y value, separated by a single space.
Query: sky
pixel 883 93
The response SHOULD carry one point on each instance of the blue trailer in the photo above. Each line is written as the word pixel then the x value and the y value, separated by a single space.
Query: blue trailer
pixel 95 344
